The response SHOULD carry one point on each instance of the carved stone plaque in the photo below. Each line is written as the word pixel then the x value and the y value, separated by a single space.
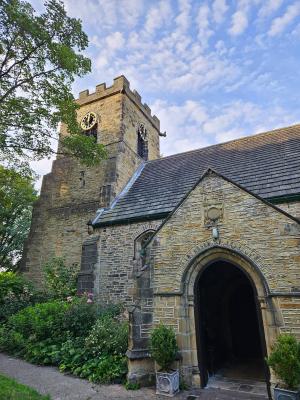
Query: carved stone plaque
pixel 213 213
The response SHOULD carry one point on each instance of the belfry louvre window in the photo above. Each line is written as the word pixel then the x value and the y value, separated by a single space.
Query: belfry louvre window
pixel 142 142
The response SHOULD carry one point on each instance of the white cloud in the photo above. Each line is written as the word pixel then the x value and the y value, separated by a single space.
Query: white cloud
pixel 204 32
pixel 219 9
pixel 279 24
pixel 269 7
pixel 158 16
pixel 239 23
pixel 195 124
pixel 183 18
pixel 115 41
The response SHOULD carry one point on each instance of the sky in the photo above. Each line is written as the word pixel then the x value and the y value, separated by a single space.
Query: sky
pixel 211 71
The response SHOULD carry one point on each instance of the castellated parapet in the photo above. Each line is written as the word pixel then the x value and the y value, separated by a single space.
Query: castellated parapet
pixel 120 85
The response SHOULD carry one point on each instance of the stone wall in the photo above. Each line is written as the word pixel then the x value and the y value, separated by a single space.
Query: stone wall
pixel 116 269
pixel 72 193
pixel 267 235
pixel 259 238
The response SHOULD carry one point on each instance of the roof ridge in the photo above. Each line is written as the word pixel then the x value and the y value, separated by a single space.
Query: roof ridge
pixel 249 137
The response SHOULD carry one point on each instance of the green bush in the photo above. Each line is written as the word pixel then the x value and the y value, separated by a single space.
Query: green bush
pixel 101 356
pixel 285 360
pixel 32 325
pixel 15 293
pixel 163 346
pixel 107 337
pixel 41 321
pixel 73 355
pixel 68 334
pixel 60 279
pixel 104 369
pixel 45 352
pixel 80 317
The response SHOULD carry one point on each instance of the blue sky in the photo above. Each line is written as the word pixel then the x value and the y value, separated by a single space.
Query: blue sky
pixel 211 71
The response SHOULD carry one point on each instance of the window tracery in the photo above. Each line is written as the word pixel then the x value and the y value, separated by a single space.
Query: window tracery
pixel 142 141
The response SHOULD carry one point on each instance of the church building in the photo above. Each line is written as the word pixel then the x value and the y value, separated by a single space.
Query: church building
pixel 206 241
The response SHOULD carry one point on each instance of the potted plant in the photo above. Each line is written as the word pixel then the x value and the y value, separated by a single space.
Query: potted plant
pixel 163 349
pixel 285 362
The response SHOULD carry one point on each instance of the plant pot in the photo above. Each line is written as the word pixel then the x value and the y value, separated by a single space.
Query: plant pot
pixel 167 383
pixel 284 394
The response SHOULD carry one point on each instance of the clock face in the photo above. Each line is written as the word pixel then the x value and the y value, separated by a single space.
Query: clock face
pixel 88 121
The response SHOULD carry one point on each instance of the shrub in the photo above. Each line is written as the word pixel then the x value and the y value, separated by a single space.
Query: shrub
pixel 103 369
pixel 80 317
pixel 41 321
pixel 60 278
pixel 101 356
pixel 44 352
pixel 32 325
pixel 70 335
pixel 15 293
pixel 107 337
pixel 285 360
pixel 163 346
pixel 73 355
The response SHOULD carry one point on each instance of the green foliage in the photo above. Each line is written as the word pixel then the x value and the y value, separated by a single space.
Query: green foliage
pixel 104 369
pixel 44 352
pixel 182 384
pixel 80 317
pixel 12 390
pixel 12 283
pixel 285 360
pixel 16 293
pixel 70 335
pixel 40 55
pixel 60 278
pixel 163 346
pixel 85 148
pixel 100 357
pixel 132 386
pixel 32 325
pixel 17 196
pixel 73 355
pixel 107 337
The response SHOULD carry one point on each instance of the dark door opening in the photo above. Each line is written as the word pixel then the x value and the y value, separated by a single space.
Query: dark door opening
pixel 228 327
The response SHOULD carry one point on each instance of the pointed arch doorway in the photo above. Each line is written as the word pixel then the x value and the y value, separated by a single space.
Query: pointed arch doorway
pixel 229 328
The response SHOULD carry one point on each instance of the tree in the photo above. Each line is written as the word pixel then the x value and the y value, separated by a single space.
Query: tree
pixel 17 195
pixel 39 59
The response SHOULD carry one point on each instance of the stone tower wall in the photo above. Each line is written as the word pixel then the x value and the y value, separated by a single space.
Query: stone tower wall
pixel 72 193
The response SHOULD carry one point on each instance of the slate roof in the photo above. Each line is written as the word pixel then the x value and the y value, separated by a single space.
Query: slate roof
pixel 267 164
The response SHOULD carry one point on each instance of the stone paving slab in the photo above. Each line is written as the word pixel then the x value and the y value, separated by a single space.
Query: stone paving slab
pixel 48 380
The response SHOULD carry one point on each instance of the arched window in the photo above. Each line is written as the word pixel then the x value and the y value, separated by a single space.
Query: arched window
pixel 142 142
pixel 139 245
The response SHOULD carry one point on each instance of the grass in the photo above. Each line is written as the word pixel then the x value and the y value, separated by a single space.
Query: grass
pixel 12 390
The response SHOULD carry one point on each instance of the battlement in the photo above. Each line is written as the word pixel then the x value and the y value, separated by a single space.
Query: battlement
pixel 120 85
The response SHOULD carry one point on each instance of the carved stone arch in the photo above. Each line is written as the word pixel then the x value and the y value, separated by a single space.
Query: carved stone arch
pixel 237 257
pixel 199 261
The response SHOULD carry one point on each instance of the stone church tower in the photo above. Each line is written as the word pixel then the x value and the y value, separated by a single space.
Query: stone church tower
pixel 72 193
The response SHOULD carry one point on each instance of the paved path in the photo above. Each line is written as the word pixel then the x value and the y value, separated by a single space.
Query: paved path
pixel 48 380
